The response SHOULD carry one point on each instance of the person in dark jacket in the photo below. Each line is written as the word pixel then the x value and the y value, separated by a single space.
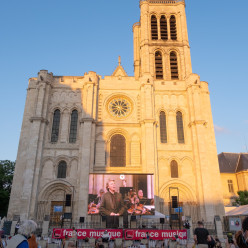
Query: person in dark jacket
pixel 112 205
pixel 242 235
pixel 201 236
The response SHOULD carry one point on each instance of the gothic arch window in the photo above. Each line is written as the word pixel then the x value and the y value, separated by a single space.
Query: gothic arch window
pixel 163 28
pixel 55 127
pixel 173 65
pixel 62 169
pixel 180 131
pixel 173 27
pixel 158 65
pixel 73 127
pixel 174 169
pixel 154 27
pixel 163 129
pixel 118 151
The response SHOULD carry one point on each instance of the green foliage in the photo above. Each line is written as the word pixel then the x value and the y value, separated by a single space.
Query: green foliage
pixel 6 176
pixel 243 198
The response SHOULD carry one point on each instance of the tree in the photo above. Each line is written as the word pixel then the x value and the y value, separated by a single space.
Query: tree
pixel 242 198
pixel 6 176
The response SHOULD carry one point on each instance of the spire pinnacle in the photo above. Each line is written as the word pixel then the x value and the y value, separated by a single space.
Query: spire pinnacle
pixel 119 60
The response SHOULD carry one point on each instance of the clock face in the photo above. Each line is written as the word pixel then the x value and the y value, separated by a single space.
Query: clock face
pixel 119 107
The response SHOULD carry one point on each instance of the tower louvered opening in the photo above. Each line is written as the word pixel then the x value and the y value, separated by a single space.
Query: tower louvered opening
pixel 163 28
pixel 158 65
pixel 173 28
pixel 154 27
pixel 173 65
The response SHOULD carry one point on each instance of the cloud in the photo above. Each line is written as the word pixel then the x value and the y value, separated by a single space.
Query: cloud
pixel 220 130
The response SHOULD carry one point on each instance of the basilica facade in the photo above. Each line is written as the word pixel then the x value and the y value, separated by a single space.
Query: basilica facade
pixel 157 122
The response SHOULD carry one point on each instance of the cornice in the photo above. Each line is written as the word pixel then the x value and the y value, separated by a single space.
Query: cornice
pixel 198 122
pixel 87 119
pixel 148 121
pixel 41 119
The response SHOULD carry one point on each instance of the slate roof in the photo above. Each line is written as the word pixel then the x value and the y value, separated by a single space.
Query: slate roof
pixel 233 162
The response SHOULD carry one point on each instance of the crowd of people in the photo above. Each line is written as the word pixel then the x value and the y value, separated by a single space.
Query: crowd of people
pixel 204 240
pixel 25 238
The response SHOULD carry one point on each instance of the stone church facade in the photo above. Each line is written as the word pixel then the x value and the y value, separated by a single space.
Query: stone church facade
pixel 159 120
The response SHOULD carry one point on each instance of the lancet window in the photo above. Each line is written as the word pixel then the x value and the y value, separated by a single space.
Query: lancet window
pixel 180 131
pixel 62 169
pixel 73 127
pixel 163 129
pixel 174 169
pixel 55 127
pixel 118 151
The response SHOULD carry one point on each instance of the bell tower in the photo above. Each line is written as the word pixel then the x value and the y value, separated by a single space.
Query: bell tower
pixel 161 46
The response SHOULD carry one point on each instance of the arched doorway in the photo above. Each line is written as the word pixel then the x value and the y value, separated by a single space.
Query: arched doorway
pixel 54 201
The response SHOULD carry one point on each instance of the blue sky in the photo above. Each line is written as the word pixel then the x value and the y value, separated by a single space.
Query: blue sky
pixel 72 37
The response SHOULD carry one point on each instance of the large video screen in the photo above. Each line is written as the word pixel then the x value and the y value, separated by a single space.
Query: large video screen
pixel 118 194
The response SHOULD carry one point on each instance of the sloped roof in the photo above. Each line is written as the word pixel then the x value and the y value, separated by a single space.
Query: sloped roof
pixel 242 210
pixel 232 162
pixel 243 162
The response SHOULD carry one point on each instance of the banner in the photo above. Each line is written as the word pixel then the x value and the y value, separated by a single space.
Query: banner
pixel 59 233
pixel 129 234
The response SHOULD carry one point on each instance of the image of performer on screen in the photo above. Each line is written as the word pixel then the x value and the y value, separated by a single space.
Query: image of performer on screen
pixel 98 200
pixel 112 205
pixel 142 199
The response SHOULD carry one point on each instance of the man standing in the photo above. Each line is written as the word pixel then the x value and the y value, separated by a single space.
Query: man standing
pixel 201 236
pixel 112 205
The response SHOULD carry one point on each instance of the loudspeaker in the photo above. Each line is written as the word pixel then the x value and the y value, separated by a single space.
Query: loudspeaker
pixel 81 219
pixel 133 217
pixel 174 202
pixel 68 200
pixel 67 216
pixel 161 220
pixel 174 217
pixel 46 217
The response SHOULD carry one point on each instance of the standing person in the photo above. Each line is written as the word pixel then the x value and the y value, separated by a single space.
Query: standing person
pixel 65 242
pixel 141 197
pixel 99 198
pixel 186 225
pixel 21 239
pixel 17 226
pixel 201 236
pixel 106 237
pixel 112 205
pixel 2 242
pixel 242 235
pixel 74 236
pixel 32 241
